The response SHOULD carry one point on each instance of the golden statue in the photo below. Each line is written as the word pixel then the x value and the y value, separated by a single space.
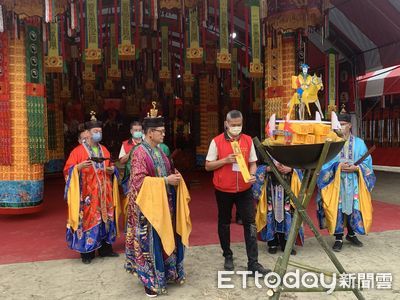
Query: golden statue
pixel 307 88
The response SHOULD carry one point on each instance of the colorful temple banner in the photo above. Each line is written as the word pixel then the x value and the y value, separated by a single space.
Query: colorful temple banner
pixel 331 83
pixel 256 67
pixel 194 53
pixel 53 62
pixel 5 109
pixel 113 72
pixel 92 51
pixel 223 56
pixel 126 50
pixel 35 92
pixel 234 93
pixel 164 74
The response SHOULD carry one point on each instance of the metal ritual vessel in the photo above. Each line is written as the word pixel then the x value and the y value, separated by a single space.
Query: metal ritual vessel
pixel 311 162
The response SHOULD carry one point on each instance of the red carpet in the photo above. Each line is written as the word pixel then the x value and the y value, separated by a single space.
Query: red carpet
pixel 41 236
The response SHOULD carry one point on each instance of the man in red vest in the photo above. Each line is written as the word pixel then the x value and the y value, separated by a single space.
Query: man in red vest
pixel 137 136
pixel 230 189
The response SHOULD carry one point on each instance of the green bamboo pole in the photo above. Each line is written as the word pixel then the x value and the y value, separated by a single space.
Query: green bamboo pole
pixel 300 214
pixel 309 268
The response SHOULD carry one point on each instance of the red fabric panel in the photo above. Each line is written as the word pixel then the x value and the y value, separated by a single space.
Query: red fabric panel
pixel 386 156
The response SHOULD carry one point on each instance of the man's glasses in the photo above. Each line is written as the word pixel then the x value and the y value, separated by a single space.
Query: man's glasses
pixel 162 131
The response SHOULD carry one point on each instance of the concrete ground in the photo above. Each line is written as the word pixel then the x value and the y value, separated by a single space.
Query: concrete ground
pixel 105 278
pixel 387 187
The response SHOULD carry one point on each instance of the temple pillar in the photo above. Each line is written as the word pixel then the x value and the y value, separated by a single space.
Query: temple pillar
pixel 21 183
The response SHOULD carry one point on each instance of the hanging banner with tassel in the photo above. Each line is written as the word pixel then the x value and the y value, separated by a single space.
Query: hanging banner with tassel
pixel 165 73
pixel 194 53
pixel 126 50
pixel 35 91
pixel 256 67
pixel 53 61
pixel 48 6
pixel 92 51
pixel 234 93
pixel 331 83
pixel 114 72
pixel 223 56
pixel 5 108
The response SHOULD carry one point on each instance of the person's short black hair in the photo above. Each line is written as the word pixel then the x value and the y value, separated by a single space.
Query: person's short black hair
pixel 80 132
pixel 135 123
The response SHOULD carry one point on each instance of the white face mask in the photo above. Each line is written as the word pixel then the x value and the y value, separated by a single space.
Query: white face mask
pixel 235 130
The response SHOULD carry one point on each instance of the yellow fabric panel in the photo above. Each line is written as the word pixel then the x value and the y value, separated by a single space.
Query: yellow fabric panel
pixel 73 199
pixel 330 201
pixel 261 215
pixel 153 203
pixel 183 222
pixel 295 185
pixel 364 197
pixel 117 205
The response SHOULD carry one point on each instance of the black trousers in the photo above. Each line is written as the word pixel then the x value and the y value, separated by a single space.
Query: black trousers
pixel 245 206
pixel 350 231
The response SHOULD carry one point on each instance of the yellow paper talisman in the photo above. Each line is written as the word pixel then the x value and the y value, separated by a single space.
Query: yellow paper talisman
pixel 240 161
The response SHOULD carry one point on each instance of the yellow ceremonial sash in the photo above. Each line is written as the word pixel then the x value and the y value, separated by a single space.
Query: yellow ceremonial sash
pixel 240 161
pixel 183 222
pixel 117 206
pixel 73 199
pixel 153 203
pixel 295 185
pixel 261 215
pixel 330 196
pixel 364 198
pixel 330 201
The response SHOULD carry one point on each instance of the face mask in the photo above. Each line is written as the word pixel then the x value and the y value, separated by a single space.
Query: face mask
pixel 235 130
pixel 96 137
pixel 137 135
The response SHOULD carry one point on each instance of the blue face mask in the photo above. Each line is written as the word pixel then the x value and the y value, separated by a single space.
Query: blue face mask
pixel 96 137
pixel 137 135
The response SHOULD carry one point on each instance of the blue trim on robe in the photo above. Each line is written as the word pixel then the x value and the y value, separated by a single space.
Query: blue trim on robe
pixel 357 148
pixel 273 227
pixel 91 239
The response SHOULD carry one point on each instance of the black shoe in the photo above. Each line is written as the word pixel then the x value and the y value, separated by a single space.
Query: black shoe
pixel 239 221
pixel 87 257
pixel 294 252
pixel 110 254
pixel 228 265
pixel 272 249
pixel 150 293
pixel 354 240
pixel 257 267
pixel 337 247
